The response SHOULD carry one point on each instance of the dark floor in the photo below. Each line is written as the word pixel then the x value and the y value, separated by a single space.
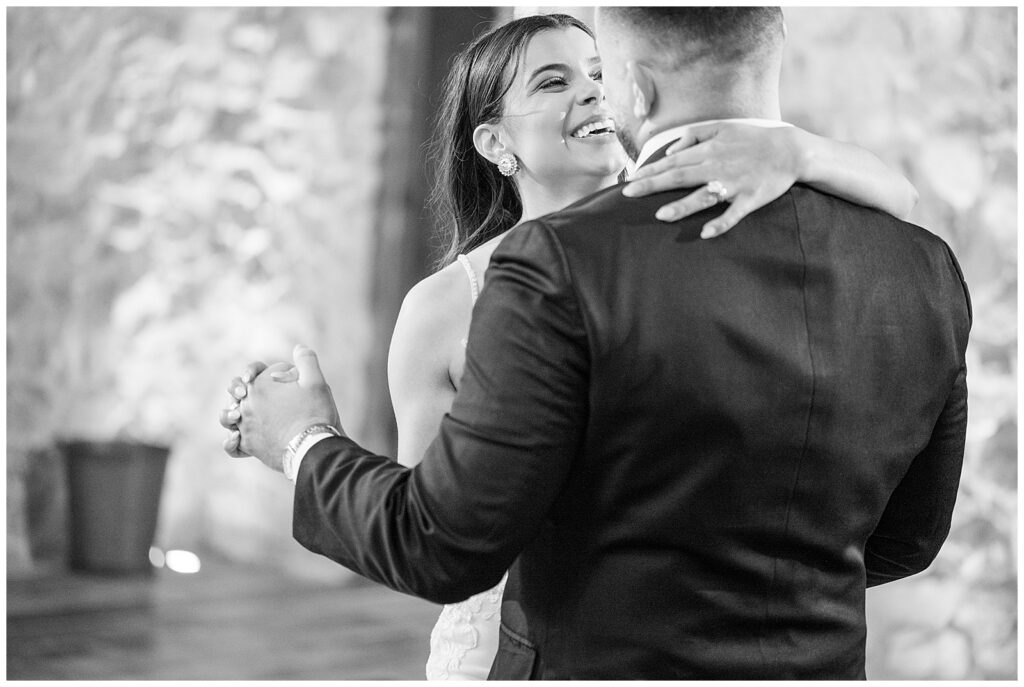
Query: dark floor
pixel 223 623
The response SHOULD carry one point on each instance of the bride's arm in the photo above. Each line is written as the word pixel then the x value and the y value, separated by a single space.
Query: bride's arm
pixel 418 365
pixel 756 165
pixel 852 173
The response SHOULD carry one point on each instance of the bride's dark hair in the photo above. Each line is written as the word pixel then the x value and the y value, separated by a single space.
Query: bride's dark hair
pixel 471 199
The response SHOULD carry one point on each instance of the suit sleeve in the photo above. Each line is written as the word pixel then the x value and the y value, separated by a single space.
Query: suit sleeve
pixel 450 527
pixel 917 518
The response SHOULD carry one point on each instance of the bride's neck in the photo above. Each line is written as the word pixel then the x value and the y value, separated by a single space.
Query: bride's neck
pixel 540 199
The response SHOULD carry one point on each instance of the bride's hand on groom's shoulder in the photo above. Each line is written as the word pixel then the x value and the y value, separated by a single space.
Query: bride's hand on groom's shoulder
pixel 746 165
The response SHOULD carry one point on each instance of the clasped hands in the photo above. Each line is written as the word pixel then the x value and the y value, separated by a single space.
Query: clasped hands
pixel 272 404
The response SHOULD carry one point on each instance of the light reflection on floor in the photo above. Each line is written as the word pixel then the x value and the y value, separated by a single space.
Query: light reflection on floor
pixel 221 622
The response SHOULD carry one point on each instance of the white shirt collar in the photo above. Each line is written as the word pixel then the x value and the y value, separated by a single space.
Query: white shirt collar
pixel 661 139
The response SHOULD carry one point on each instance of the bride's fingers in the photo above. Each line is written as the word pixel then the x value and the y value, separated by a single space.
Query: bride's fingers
pixel 253 370
pixel 684 207
pixel 237 389
pixel 694 136
pixel 232 444
pixel 650 169
pixel 229 417
pixel 698 133
pixel 687 157
pixel 683 143
pixel 741 207
pixel 668 179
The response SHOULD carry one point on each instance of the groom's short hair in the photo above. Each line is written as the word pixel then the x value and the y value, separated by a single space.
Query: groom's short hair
pixel 682 36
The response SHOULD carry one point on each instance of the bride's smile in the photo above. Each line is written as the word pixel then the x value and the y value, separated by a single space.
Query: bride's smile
pixel 597 128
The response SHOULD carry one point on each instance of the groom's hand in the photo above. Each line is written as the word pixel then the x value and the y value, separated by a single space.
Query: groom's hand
pixel 276 409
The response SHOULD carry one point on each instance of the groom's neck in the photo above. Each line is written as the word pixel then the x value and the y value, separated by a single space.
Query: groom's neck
pixel 673 119
pixel 688 100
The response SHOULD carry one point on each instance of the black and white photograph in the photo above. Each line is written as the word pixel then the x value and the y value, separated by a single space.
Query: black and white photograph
pixel 455 342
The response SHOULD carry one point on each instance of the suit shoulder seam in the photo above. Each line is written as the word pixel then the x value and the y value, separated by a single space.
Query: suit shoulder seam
pixel 571 277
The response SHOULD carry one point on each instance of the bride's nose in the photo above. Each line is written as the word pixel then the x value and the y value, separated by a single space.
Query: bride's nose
pixel 590 93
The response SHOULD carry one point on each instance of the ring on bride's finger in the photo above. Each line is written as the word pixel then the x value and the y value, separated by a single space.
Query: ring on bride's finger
pixel 717 190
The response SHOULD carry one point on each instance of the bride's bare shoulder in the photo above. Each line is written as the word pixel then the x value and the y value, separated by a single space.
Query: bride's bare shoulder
pixel 439 292
pixel 436 305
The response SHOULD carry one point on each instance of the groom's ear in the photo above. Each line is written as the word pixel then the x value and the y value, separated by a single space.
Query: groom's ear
pixel 488 139
pixel 642 90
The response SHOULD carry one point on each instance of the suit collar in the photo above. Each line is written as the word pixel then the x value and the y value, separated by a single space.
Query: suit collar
pixel 654 148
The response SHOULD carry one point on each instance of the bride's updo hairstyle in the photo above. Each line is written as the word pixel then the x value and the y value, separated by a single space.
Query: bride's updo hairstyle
pixel 471 198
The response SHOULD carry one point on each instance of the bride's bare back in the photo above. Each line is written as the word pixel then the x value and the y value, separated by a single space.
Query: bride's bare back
pixel 427 352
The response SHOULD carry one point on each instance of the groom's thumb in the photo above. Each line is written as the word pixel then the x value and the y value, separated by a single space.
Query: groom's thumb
pixel 308 366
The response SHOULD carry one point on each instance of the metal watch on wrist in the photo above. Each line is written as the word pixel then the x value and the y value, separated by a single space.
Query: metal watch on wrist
pixel 288 460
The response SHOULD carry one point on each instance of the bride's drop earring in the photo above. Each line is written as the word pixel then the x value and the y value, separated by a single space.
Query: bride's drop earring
pixel 508 164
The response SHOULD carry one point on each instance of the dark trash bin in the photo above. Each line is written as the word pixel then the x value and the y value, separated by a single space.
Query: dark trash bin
pixel 113 501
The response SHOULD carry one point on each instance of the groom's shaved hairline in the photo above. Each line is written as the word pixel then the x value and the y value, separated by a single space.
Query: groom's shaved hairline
pixel 722 35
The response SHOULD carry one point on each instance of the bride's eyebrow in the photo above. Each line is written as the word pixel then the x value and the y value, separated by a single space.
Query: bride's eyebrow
pixel 559 66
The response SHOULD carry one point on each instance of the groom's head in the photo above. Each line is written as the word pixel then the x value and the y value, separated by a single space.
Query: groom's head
pixel 668 66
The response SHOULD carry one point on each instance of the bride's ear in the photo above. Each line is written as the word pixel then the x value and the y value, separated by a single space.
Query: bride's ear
pixel 642 89
pixel 488 139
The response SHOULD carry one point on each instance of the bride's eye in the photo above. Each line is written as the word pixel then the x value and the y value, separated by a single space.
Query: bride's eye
pixel 597 76
pixel 553 82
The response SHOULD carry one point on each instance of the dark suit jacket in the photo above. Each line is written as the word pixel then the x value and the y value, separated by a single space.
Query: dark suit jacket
pixel 701 452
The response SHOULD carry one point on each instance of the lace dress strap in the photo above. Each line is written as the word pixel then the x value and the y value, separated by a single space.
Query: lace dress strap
pixel 474 285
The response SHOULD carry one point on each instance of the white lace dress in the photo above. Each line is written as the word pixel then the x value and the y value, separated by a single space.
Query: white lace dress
pixel 465 638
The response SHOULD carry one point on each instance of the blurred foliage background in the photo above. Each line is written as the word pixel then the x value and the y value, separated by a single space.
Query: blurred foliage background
pixel 934 91
pixel 193 188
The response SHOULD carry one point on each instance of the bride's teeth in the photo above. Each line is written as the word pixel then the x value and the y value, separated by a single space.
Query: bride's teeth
pixel 586 129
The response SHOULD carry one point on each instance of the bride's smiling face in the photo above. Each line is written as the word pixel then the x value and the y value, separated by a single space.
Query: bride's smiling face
pixel 556 120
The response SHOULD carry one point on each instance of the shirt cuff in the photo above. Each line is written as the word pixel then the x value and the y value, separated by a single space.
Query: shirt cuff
pixel 300 452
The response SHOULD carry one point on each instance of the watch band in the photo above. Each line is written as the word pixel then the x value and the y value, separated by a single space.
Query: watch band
pixel 288 460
